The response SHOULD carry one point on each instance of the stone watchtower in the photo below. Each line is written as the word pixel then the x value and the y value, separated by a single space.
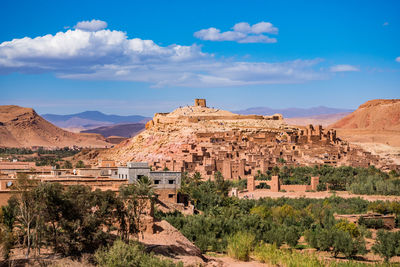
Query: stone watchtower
pixel 200 102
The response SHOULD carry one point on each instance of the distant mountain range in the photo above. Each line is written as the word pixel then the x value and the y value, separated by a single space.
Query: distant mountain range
pixel 123 130
pixel 294 112
pixel 91 119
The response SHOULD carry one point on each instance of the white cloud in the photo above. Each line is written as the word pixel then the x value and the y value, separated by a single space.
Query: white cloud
pixel 242 32
pixel 343 68
pixel 111 55
pixel 398 59
pixel 91 26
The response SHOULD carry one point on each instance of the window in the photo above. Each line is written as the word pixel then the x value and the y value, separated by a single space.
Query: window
pixel 156 181
pixel 171 195
pixel 171 181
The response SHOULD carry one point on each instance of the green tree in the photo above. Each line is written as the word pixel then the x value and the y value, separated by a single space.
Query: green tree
pixel 387 244
pixel 137 199
pixel 26 208
pixel 292 235
pixel 68 165
pixel 80 164
pixel 222 186
pixel 344 243
pixel 50 202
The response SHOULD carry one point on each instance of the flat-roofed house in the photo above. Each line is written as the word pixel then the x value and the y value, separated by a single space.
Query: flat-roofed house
pixel 166 183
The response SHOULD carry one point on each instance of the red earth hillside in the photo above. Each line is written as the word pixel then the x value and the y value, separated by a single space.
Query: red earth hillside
pixel 376 115
pixel 23 127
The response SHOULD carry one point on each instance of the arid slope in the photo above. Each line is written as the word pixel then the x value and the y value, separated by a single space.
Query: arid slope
pixel 166 134
pixel 374 115
pixel 23 127
pixel 324 119
pixel 374 126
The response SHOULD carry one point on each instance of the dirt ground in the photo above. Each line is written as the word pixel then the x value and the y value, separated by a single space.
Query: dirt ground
pixel 260 193
pixel 391 138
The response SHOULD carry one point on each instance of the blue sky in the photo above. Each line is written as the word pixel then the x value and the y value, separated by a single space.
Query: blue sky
pixel 237 54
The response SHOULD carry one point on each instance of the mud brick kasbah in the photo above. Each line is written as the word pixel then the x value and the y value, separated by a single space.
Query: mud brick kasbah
pixel 242 152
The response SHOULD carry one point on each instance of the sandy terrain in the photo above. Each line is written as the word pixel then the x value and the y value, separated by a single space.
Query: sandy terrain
pixel 391 138
pixel 324 120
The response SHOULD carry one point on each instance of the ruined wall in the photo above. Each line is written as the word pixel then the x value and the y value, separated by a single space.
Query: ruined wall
pixel 167 195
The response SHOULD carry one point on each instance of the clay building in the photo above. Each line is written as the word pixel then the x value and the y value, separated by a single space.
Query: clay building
pixel 166 183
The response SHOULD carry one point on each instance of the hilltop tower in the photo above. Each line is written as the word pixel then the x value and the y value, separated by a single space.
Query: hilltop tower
pixel 200 102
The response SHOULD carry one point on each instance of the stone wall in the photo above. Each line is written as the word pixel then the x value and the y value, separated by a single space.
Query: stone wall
pixel 275 185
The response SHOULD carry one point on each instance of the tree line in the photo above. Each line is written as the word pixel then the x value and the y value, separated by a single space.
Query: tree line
pixel 223 221
pixel 74 220
pixel 368 181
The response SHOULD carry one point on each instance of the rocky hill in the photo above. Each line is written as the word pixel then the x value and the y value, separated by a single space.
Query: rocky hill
pixel 376 115
pixel 207 140
pixel 23 127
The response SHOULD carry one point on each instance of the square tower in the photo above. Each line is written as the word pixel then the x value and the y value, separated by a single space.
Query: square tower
pixel 200 102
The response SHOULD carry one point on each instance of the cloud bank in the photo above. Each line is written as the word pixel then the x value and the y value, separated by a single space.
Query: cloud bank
pixel 398 59
pixel 241 32
pixel 92 53
pixel 344 68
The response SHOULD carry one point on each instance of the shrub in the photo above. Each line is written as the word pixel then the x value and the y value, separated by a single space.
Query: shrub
pixel 371 223
pixel 387 244
pixel 349 227
pixel 240 245
pixel 121 254
pixel 292 236
pixel 275 236
pixel 320 238
pixel 344 243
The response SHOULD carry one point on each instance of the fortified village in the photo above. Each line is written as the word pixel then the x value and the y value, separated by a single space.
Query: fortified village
pixel 205 140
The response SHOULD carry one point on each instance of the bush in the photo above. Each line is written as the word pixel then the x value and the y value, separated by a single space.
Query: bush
pixel 387 244
pixel 348 227
pixel 344 243
pixel 292 236
pixel 371 223
pixel 267 253
pixel 121 254
pixel 240 245
pixel 319 238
